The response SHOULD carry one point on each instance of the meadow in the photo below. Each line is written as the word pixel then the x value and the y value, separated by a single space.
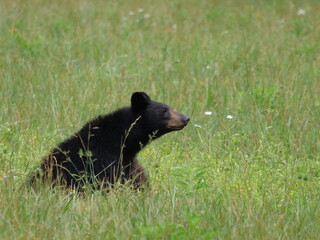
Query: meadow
pixel 252 175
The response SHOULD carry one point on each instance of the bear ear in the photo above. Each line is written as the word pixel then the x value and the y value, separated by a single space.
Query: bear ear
pixel 139 100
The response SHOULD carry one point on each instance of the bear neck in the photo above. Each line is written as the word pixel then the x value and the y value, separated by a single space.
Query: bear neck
pixel 133 134
pixel 135 138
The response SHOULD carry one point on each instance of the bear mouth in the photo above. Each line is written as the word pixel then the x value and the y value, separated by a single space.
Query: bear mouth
pixel 177 127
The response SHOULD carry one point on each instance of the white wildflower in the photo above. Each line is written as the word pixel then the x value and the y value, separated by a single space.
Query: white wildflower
pixel 140 10
pixel 301 12
pixel 208 113
pixel 131 13
pixel 197 126
pixel 229 117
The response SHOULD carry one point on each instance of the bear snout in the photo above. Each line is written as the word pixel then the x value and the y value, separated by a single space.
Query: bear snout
pixel 177 121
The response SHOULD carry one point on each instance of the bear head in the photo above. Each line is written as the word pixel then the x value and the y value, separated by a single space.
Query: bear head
pixel 157 117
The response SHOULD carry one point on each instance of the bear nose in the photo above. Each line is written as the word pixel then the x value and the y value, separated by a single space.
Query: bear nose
pixel 186 119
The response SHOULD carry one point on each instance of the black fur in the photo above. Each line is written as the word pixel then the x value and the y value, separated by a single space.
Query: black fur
pixel 104 150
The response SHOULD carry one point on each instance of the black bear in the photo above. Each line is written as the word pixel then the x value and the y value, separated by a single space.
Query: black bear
pixel 104 151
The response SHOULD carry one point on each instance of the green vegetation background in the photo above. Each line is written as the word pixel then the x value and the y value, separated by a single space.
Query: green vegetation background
pixel 255 176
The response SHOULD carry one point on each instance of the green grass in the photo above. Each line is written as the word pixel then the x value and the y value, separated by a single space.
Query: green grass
pixel 253 177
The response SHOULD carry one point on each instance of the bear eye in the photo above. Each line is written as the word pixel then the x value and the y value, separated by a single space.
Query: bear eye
pixel 165 112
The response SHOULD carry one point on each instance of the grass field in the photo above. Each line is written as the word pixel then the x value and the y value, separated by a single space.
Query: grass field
pixel 255 176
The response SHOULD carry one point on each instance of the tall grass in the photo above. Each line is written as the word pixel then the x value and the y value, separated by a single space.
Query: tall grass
pixel 255 176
